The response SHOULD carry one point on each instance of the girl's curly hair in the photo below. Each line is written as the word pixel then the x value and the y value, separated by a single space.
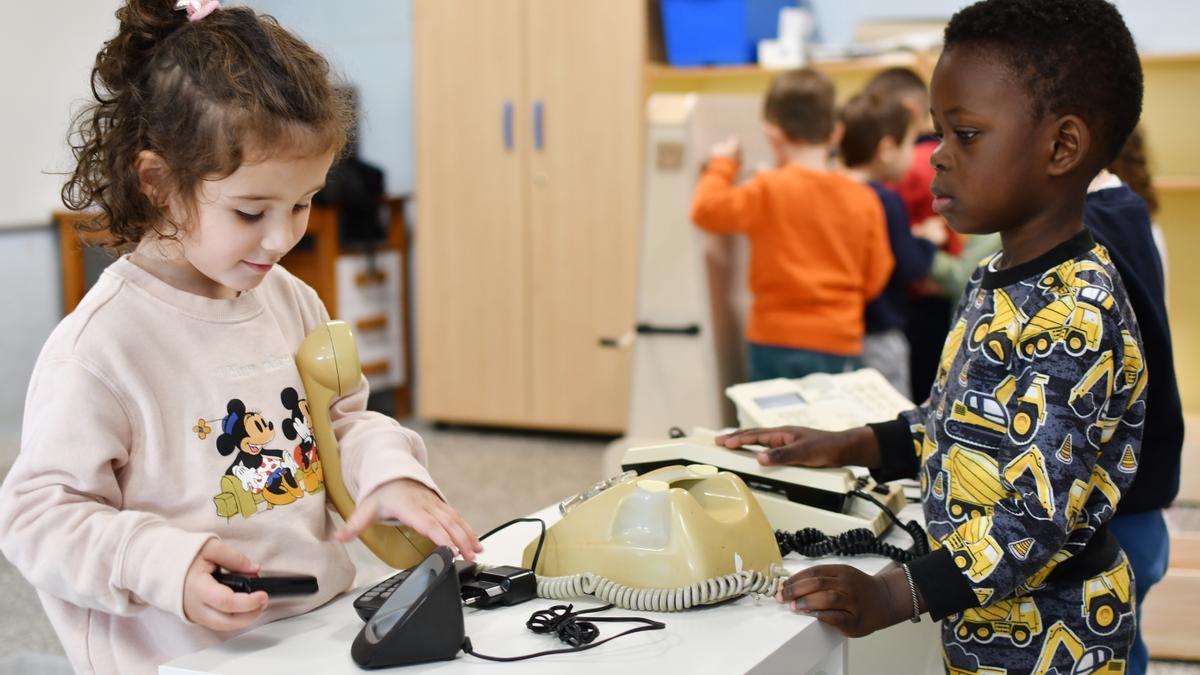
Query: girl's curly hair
pixel 205 97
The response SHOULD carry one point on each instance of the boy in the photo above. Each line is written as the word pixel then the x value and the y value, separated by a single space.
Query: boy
pixel 818 247
pixel 1034 425
pixel 877 148
pixel 929 311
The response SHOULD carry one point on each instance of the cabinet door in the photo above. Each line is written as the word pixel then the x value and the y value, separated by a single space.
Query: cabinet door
pixel 585 62
pixel 471 245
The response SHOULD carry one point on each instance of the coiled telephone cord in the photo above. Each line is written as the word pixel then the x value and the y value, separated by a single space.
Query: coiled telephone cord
pixel 814 543
pixel 705 592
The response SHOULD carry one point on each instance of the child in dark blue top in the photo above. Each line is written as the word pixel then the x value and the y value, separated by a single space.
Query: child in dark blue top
pixel 877 147
pixel 1033 427
pixel 1119 219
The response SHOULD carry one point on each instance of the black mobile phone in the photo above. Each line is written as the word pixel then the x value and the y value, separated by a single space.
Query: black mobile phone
pixel 300 584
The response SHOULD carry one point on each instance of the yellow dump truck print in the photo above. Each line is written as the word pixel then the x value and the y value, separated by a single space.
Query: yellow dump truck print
pixel 973 548
pixel 1106 599
pixel 1078 325
pixel 1016 619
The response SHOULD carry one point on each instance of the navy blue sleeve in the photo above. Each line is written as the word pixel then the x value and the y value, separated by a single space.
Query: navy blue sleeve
pixel 914 256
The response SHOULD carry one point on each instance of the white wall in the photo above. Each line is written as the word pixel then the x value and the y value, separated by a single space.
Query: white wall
pixel 369 42
pixel 1157 25
pixel 46 52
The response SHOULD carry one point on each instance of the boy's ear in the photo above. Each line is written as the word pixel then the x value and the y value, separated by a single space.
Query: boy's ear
pixel 153 176
pixel 835 138
pixel 887 146
pixel 773 133
pixel 1072 143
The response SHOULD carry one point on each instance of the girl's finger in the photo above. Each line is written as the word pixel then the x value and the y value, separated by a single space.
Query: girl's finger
pixel 358 521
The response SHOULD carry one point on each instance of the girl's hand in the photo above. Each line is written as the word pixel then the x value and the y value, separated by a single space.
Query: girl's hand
pixel 801 446
pixel 854 602
pixel 418 507
pixel 212 604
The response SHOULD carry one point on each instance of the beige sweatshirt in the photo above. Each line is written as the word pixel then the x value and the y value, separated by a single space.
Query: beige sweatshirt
pixel 156 419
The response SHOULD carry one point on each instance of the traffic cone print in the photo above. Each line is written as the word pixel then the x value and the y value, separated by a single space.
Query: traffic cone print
pixel 1064 451
pixel 1128 461
pixel 1020 549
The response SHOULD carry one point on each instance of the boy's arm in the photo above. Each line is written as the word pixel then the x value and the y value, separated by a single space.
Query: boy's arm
pixel 1062 485
pixel 900 444
pixel 913 255
pixel 879 261
pixel 721 207
pixel 63 520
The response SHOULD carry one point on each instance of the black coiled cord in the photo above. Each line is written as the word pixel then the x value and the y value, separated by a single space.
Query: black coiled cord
pixel 563 621
pixel 814 543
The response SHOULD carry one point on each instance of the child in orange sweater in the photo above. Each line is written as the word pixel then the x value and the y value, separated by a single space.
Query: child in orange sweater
pixel 818 242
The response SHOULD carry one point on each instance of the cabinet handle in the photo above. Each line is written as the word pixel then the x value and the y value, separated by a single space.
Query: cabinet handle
pixel 377 322
pixel 690 330
pixel 369 278
pixel 376 367
pixel 508 125
pixel 538 113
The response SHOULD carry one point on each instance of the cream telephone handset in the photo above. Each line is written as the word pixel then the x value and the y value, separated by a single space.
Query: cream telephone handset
pixel 329 368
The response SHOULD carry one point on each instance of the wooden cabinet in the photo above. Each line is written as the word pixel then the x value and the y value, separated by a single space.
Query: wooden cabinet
pixel 529 137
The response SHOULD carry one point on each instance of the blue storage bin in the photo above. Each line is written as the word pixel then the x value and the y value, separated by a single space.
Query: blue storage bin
pixel 714 32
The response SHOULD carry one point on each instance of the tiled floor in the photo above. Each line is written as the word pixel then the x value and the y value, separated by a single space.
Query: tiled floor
pixel 489 476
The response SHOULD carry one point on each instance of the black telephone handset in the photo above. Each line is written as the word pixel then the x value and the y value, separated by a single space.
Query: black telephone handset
pixel 277 585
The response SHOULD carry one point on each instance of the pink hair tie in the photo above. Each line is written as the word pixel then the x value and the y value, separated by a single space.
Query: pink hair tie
pixel 198 9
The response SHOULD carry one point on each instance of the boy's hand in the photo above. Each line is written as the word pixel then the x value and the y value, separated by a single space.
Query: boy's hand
pixel 213 605
pixel 854 602
pixel 418 507
pixel 730 148
pixel 932 229
pixel 801 446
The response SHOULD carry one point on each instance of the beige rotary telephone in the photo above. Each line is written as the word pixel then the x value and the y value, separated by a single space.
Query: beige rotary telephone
pixel 329 368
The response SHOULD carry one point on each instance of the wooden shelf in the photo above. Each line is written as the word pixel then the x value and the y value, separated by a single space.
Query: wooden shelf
pixel 921 61
pixel 1177 183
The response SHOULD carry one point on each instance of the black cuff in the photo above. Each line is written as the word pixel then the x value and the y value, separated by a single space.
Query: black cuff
pixel 897 458
pixel 942 584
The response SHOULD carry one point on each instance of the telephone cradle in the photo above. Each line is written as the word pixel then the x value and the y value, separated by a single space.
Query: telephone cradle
pixel 792 497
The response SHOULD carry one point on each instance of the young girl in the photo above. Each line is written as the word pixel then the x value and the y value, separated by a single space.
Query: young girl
pixel 152 451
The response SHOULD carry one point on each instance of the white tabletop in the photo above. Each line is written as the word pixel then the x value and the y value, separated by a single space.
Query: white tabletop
pixel 741 636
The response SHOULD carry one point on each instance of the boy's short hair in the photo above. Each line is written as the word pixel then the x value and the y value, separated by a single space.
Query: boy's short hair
pixel 801 103
pixel 867 119
pixel 897 82
pixel 1071 56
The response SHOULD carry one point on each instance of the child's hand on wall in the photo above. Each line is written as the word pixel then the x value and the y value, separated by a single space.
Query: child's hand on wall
pixel 730 148
pixel 213 605
pixel 801 446
pixel 418 507
pixel 852 601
